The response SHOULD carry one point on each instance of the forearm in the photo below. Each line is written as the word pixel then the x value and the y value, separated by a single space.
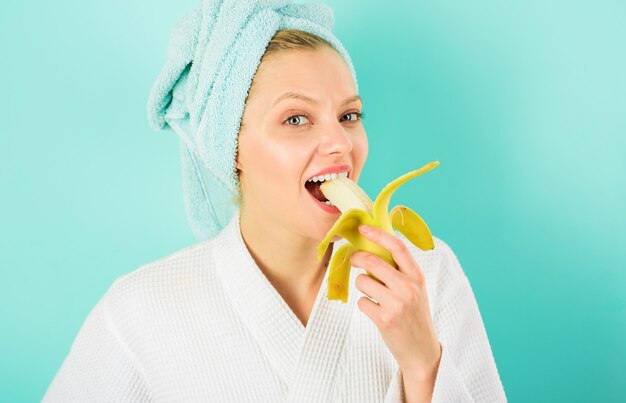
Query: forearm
pixel 418 387
pixel 418 392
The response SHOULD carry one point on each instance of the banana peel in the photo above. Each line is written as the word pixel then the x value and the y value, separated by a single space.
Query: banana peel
pixel 358 209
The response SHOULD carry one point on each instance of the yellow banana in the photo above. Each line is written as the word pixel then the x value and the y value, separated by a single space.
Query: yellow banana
pixel 356 209
pixel 346 195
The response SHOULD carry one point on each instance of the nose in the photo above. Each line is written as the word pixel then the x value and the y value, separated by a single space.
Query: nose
pixel 335 140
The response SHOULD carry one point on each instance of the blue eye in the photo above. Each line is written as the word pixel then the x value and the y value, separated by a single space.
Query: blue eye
pixel 359 116
pixel 296 116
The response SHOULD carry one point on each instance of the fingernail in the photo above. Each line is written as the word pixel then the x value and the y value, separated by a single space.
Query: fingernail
pixel 364 229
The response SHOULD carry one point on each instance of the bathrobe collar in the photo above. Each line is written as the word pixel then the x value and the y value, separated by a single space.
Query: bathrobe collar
pixel 302 357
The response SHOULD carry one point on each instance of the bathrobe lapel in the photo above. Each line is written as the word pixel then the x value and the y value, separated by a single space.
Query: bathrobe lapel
pixel 305 359
pixel 258 305
pixel 316 376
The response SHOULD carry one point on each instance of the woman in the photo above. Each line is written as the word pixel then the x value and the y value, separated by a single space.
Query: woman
pixel 242 316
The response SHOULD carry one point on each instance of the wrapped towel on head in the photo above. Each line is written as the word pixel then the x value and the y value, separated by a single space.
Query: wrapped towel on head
pixel 213 54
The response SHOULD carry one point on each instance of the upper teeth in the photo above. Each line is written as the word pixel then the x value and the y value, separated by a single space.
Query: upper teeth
pixel 327 177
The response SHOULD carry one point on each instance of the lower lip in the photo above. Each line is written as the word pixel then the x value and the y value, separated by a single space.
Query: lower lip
pixel 325 207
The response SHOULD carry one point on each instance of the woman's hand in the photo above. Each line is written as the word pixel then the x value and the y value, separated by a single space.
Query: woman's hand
pixel 401 312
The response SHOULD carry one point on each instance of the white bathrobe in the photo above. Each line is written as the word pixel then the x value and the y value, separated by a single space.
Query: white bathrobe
pixel 204 324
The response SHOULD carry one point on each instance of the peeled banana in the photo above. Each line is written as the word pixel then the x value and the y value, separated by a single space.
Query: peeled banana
pixel 356 209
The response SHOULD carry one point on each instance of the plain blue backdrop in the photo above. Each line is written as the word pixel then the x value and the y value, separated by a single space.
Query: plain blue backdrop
pixel 522 102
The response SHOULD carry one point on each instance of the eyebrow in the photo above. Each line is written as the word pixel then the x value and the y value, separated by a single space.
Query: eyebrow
pixel 293 95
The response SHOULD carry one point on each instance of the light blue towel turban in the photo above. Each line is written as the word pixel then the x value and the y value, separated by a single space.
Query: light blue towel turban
pixel 213 54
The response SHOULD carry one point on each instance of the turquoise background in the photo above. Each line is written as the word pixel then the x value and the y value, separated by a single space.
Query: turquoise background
pixel 524 104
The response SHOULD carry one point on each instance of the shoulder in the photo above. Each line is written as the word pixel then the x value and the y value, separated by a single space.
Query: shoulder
pixel 175 276
pixel 449 261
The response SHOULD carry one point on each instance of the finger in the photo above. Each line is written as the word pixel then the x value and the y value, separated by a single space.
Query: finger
pixel 375 265
pixel 398 249
pixel 373 289
pixel 370 308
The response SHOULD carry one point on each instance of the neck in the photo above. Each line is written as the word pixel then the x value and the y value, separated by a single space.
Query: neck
pixel 288 261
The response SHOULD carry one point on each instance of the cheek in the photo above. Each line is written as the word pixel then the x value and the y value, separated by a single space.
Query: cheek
pixel 360 150
pixel 271 168
pixel 283 159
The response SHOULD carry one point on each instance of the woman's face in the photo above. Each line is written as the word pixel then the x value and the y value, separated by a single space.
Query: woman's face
pixel 284 141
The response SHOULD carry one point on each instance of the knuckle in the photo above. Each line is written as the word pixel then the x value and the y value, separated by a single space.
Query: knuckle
pixel 398 245
pixel 410 293
pixel 388 320
pixel 415 288
pixel 372 258
pixel 420 280
pixel 416 277
pixel 354 258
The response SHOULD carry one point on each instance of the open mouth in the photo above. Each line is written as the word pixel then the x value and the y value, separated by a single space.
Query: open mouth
pixel 313 185
pixel 314 189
